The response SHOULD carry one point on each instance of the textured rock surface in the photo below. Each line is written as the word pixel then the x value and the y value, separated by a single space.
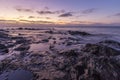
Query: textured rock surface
pixel 60 55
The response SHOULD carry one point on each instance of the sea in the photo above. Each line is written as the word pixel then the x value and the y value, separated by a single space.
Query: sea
pixel 113 31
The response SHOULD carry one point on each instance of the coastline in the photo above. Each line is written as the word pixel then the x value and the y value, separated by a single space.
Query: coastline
pixel 53 54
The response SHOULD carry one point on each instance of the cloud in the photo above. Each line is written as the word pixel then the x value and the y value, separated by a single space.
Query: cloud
pixel 117 14
pixel 7 21
pixel 36 22
pixel 37 17
pixel 68 14
pixel 88 11
pixel 114 15
pixel 31 17
pixel 48 18
pixel 21 9
pixel 60 11
pixel 26 21
pixel 46 8
pixel 45 12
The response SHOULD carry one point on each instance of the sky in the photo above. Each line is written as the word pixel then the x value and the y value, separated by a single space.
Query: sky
pixel 60 12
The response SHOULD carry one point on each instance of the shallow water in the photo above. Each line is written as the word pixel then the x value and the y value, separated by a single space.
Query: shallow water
pixel 39 47
pixel 20 75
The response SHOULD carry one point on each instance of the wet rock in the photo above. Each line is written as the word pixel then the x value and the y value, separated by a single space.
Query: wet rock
pixel 69 43
pixel 3 65
pixel 20 28
pixel 23 47
pixel 3 49
pixel 50 32
pixel 22 40
pixel 78 33
pixel 69 53
pixel 45 40
pixel 100 50
pixel 97 61
pixel 116 59
pixel 111 43
pixel 106 69
pixel 80 70
pixel 16 38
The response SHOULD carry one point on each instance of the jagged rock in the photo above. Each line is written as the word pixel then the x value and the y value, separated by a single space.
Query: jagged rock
pixel 110 43
pixel 100 50
pixel 69 53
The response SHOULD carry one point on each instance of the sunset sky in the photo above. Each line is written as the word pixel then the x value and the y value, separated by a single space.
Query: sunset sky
pixel 60 12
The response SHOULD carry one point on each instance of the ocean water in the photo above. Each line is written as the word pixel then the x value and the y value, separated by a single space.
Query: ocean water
pixel 96 30
pixel 113 31
pixel 103 30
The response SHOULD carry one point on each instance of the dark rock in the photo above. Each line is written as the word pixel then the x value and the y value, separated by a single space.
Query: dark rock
pixel 69 43
pixel 22 40
pixel 17 37
pixel 70 53
pixel 78 33
pixel 45 79
pixel 20 28
pixel 50 32
pixel 45 40
pixel 111 43
pixel 4 65
pixel 80 70
pixel 3 35
pixel 3 49
pixel 23 48
pixel 100 50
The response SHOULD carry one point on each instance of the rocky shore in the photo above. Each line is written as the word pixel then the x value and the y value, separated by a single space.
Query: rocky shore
pixel 51 54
